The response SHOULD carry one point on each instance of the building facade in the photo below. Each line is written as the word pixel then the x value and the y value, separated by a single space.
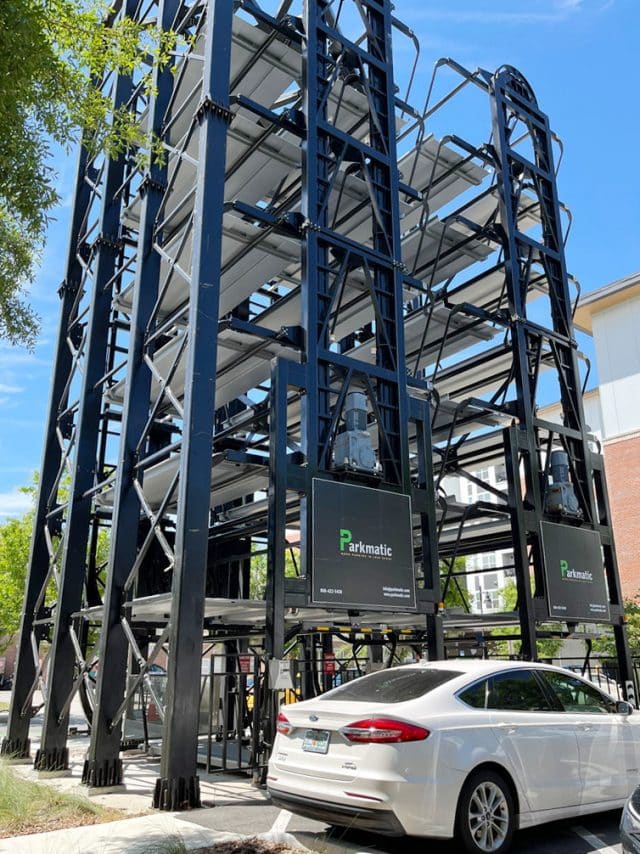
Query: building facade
pixel 611 315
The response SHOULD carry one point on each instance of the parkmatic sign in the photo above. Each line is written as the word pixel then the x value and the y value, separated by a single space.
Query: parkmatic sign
pixel 381 550
pixel 576 586
pixel 362 547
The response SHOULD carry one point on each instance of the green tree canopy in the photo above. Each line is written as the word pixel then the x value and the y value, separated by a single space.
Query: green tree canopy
pixel 15 545
pixel 51 54
pixel 15 538
pixel 606 645
pixel 547 647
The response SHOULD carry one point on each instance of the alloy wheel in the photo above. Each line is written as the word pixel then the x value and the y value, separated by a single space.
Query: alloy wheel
pixel 488 816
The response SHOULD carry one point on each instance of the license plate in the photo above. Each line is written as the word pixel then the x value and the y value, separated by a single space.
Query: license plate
pixel 316 741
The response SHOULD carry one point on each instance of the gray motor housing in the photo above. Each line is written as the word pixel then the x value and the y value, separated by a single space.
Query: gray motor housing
pixel 352 448
pixel 560 497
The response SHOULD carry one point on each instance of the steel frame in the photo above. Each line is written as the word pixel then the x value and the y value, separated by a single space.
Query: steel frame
pixel 303 237
pixel 64 544
pixel 527 264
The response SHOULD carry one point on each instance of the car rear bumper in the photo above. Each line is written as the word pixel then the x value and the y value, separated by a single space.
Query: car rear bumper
pixel 375 820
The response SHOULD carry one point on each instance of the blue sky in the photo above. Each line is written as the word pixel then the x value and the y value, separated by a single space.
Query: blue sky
pixel 581 58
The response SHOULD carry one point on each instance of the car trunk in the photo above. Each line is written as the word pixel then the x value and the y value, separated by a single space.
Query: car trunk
pixel 315 746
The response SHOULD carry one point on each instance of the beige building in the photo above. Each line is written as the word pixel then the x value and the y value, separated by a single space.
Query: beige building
pixel 612 410
pixel 612 315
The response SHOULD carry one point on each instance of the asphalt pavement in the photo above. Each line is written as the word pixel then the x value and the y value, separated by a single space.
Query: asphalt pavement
pixel 594 834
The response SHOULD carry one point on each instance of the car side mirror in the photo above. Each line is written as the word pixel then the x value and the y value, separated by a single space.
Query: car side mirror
pixel 624 708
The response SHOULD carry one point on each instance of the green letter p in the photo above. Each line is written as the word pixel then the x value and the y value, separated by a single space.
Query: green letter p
pixel 345 538
pixel 564 568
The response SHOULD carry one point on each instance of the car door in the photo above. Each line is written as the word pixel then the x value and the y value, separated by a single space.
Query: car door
pixel 540 741
pixel 606 743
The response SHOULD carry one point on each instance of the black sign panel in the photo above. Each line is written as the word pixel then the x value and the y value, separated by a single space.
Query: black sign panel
pixel 576 586
pixel 362 549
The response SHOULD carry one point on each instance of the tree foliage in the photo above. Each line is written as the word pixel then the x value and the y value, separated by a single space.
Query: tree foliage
pixel 258 572
pixel 15 538
pixel 457 593
pixel 547 647
pixel 52 55
pixel 606 645
pixel 15 545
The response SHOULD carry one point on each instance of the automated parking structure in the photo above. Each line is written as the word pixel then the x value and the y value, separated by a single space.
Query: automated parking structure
pixel 283 336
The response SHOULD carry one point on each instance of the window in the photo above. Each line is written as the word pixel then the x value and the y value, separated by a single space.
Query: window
pixel 392 686
pixel 491 581
pixel 476 695
pixel 508 562
pixel 576 696
pixel 514 690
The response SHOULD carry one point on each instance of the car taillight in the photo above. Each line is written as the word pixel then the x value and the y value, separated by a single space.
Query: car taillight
pixel 383 731
pixel 283 726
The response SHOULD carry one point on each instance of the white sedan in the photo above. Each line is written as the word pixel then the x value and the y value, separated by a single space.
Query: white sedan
pixel 472 749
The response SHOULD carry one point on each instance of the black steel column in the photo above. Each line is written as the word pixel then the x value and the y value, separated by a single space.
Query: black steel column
pixel 276 546
pixel 316 155
pixel 53 754
pixel 16 743
pixel 103 766
pixel 528 511
pixel 513 441
pixel 388 281
pixel 423 502
pixel 178 786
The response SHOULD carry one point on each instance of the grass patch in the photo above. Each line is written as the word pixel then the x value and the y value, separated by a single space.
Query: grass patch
pixel 28 807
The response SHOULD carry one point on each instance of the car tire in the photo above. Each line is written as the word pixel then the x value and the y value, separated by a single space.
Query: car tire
pixel 485 818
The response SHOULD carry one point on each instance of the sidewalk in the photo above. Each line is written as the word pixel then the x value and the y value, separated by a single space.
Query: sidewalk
pixel 229 810
pixel 151 833
pixel 155 831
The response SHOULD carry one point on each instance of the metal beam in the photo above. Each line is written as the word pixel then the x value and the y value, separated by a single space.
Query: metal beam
pixel 53 753
pixel 178 785
pixel 103 766
pixel 16 743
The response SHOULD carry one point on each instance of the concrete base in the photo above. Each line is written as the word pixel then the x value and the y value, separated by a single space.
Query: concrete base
pixel 96 791
pixel 47 775
pixel 18 760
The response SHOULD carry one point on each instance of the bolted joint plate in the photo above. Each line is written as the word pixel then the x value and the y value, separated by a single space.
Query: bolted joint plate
pixel 209 105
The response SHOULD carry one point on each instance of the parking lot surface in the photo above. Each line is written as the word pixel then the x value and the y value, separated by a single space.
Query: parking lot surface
pixel 597 833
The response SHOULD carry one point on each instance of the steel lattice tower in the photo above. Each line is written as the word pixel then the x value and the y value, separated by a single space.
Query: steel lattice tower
pixel 305 255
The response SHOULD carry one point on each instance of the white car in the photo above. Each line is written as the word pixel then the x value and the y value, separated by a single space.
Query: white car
pixel 472 749
pixel 630 824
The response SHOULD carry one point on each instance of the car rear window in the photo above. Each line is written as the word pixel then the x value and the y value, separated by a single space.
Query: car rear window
pixel 391 686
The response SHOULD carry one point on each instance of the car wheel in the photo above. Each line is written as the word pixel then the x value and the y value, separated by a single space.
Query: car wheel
pixel 485 820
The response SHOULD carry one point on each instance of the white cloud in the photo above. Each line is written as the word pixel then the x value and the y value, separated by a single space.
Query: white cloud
pixel 11 357
pixel 10 389
pixel 14 503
